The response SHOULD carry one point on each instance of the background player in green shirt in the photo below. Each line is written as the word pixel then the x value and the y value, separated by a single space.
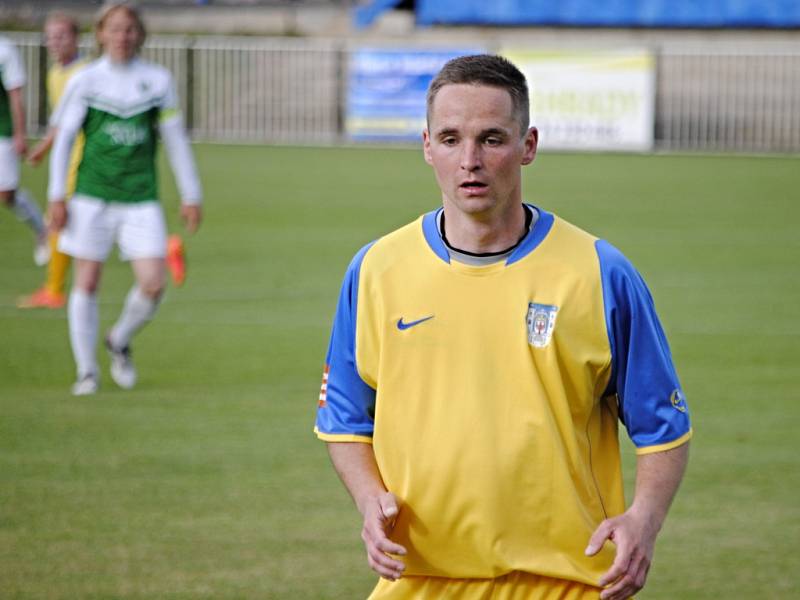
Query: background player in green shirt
pixel 123 105
pixel 13 146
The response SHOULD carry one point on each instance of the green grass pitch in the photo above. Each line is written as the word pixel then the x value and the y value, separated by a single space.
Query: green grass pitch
pixel 206 480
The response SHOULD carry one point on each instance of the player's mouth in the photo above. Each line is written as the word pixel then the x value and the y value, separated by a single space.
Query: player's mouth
pixel 474 188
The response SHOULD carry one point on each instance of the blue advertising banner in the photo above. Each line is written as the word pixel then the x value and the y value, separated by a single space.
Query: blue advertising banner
pixel 387 88
pixel 620 13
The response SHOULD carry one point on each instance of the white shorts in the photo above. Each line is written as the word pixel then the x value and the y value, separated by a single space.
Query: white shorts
pixel 9 166
pixel 93 226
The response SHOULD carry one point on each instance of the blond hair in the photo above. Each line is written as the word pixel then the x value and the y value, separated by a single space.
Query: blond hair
pixel 58 16
pixel 111 7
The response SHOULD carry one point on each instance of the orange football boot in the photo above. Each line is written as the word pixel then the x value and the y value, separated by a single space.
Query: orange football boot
pixel 176 259
pixel 42 298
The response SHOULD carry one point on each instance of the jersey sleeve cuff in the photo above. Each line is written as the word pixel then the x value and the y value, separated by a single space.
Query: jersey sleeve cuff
pixel 664 447
pixel 168 114
pixel 342 437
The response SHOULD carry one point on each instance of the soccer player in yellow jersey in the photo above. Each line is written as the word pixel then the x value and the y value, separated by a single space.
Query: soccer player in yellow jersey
pixel 480 361
pixel 61 37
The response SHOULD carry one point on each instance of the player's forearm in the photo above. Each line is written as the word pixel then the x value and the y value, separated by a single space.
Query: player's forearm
pixel 658 476
pixel 179 153
pixel 356 466
pixel 17 111
pixel 59 163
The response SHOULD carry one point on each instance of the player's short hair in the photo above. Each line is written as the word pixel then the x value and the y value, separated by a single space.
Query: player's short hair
pixel 485 69
pixel 113 6
pixel 57 16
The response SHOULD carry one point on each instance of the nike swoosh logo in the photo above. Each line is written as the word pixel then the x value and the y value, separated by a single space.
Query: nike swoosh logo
pixel 403 326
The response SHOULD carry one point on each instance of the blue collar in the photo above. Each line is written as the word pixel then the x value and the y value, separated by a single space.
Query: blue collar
pixel 529 243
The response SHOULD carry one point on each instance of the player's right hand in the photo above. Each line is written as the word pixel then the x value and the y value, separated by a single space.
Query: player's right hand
pixel 36 155
pixel 379 518
pixel 57 215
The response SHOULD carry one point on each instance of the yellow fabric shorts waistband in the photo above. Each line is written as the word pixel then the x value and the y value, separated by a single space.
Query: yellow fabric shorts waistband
pixel 516 585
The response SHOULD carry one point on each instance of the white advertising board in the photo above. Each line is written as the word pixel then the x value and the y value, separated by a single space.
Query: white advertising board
pixel 590 100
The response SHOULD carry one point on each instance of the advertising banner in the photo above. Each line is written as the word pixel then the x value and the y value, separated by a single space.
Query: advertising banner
pixel 386 91
pixel 590 100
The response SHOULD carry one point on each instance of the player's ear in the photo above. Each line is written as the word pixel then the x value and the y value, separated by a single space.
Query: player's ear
pixel 426 146
pixel 530 141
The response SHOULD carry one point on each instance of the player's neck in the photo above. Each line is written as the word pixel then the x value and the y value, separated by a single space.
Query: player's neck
pixel 119 62
pixel 482 234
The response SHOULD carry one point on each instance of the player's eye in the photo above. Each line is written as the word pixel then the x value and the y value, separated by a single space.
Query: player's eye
pixel 449 141
pixel 493 141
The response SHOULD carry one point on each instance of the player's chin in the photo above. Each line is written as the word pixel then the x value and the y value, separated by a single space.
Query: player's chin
pixel 475 204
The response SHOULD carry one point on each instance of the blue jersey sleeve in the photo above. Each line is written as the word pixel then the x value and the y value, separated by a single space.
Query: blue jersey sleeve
pixel 651 402
pixel 346 409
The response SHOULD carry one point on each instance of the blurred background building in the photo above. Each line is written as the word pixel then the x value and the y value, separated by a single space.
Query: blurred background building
pixel 628 75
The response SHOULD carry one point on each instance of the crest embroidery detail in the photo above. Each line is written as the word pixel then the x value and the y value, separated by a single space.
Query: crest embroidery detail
pixel 541 321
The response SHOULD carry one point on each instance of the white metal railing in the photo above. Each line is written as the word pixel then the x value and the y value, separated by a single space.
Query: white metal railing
pixel 737 99
pixel 28 45
pixel 292 90
pixel 284 90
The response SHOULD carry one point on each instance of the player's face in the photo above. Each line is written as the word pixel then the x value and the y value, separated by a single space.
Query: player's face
pixel 61 41
pixel 476 149
pixel 120 36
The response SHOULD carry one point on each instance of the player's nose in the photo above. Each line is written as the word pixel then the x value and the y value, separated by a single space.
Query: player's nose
pixel 470 156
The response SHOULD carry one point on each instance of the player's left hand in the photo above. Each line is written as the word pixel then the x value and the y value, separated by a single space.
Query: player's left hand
pixel 634 535
pixel 192 215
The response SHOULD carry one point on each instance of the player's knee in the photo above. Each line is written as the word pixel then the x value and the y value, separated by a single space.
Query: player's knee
pixel 88 286
pixel 152 287
pixel 7 197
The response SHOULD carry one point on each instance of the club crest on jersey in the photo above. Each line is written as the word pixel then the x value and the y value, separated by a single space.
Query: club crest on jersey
pixel 541 321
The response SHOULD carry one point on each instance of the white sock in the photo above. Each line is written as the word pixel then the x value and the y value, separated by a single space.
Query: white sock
pixel 138 310
pixel 28 212
pixel 83 324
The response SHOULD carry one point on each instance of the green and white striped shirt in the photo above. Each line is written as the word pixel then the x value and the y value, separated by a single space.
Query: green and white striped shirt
pixel 121 108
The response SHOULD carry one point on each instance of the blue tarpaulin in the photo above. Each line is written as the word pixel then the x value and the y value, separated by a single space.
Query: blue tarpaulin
pixel 366 14
pixel 612 13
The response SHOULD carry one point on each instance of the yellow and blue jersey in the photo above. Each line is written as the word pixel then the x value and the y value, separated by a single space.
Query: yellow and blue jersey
pixel 491 394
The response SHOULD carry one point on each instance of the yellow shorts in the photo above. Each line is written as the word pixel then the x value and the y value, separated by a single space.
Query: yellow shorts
pixel 516 585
